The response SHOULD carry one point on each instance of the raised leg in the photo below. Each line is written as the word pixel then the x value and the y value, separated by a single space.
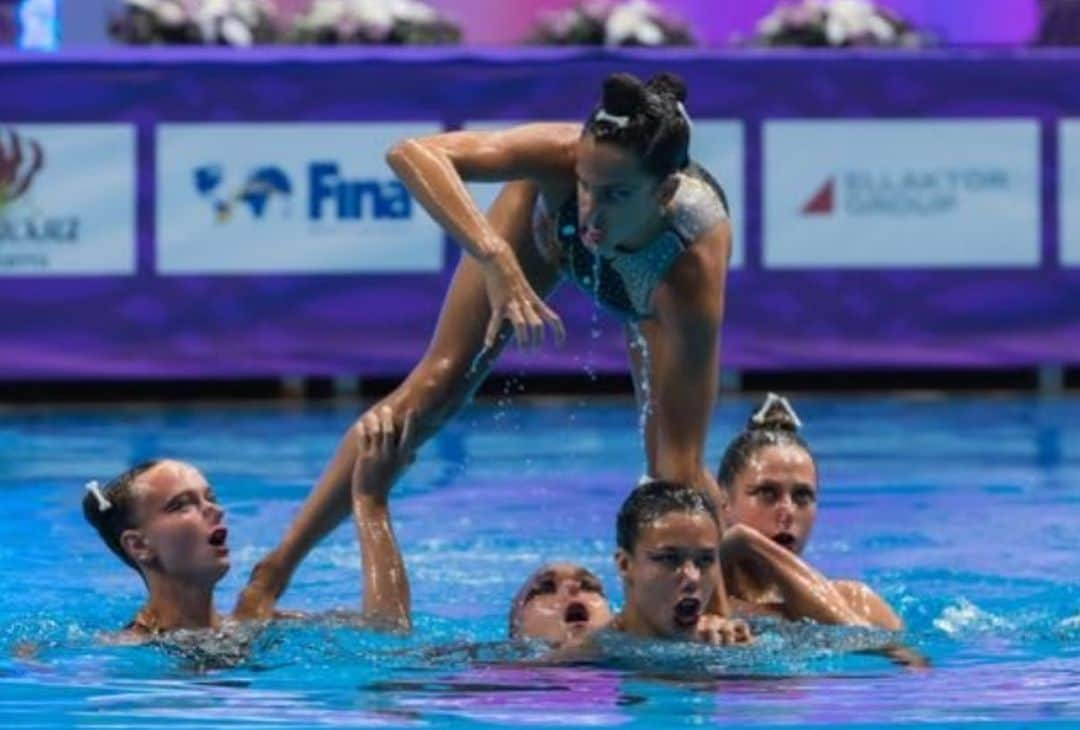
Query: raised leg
pixel 442 382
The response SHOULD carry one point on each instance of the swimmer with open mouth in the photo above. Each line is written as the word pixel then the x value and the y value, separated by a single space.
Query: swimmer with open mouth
pixel 668 539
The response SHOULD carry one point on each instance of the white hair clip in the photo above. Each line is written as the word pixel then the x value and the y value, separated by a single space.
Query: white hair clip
pixel 103 504
pixel 603 116
pixel 772 399
pixel 685 114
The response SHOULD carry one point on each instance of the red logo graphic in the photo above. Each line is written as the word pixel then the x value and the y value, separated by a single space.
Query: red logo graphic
pixel 824 200
pixel 20 162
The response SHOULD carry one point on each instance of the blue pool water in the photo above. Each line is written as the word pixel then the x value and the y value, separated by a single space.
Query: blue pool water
pixel 964 513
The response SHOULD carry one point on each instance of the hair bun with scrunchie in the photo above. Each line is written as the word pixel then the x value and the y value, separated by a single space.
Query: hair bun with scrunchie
pixel 669 85
pixel 624 95
pixel 775 414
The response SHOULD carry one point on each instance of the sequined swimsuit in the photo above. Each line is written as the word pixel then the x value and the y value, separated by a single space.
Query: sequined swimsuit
pixel 627 281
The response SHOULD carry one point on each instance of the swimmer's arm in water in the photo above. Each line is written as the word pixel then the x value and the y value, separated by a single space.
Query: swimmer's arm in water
pixel 387 601
pixel 436 168
pixel 806 592
pixel 689 306
pixel 868 604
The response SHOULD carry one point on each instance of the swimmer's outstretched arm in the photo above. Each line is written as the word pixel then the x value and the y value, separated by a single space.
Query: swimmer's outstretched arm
pixel 809 594
pixel 806 592
pixel 435 170
pixel 387 601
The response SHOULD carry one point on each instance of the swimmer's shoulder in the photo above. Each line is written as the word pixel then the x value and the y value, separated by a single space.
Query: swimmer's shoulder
pixel 698 215
pixel 863 600
pixel 698 206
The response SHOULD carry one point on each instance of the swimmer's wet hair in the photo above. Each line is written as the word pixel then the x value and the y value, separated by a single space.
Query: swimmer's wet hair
pixel 111 521
pixel 648 119
pixel 775 423
pixel 653 500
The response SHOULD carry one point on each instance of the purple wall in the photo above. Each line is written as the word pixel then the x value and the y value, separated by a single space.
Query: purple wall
pixel 962 22
pixel 148 321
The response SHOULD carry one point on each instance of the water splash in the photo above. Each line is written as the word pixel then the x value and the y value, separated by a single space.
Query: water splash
pixel 964 617
pixel 1070 627
pixel 594 323
pixel 640 345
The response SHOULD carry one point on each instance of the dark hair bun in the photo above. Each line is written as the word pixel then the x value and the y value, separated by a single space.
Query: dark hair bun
pixel 624 94
pixel 775 414
pixel 668 84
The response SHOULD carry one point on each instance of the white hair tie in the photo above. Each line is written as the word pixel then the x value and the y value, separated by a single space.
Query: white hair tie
pixel 685 114
pixel 94 488
pixel 603 116
pixel 772 399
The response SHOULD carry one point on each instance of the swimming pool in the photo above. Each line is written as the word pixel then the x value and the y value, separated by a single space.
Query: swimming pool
pixel 964 513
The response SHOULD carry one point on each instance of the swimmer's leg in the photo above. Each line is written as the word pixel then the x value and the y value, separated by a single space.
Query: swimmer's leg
pixel 451 370
pixel 645 349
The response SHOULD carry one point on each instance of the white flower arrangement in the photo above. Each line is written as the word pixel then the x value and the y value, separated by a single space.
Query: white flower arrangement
pixel 837 24
pixel 250 22
pixel 413 22
pixel 600 22
pixel 236 22
pixel 144 22
pixel 209 22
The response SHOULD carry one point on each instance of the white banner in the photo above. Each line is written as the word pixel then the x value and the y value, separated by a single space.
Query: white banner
pixel 911 193
pixel 716 145
pixel 1069 191
pixel 67 199
pixel 719 146
pixel 288 198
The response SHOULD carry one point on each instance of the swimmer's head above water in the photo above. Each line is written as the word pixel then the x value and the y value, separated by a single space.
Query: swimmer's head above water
pixel 770 477
pixel 632 144
pixel 161 518
pixel 560 603
pixel 668 539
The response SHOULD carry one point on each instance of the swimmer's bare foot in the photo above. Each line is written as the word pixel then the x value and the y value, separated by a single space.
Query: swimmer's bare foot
pixel 260 595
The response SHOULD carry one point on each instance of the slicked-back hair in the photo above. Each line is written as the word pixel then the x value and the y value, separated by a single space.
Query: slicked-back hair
pixel 120 515
pixel 653 500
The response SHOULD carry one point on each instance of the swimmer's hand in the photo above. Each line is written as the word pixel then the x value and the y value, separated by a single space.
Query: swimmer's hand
pixel 719 631
pixel 512 299
pixel 381 454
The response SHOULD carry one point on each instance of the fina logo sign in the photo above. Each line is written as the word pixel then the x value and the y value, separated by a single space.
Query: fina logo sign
pixel 330 195
pixel 909 193
pixel 21 162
